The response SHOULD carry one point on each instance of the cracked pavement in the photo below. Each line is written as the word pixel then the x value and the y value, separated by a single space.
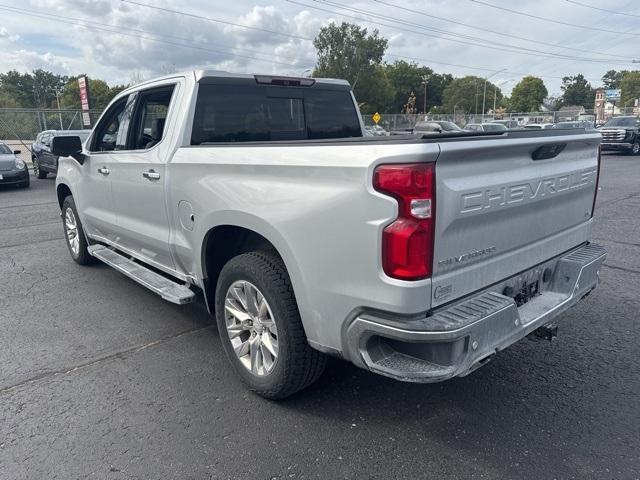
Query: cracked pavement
pixel 100 378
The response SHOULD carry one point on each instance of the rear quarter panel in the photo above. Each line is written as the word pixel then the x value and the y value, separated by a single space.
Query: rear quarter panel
pixel 315 204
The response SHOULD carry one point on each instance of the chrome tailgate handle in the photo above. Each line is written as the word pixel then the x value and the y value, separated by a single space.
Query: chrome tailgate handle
pixel 151 175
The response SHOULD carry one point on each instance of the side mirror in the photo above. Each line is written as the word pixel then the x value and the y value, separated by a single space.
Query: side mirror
pixel 17 152
pixel 439 130
pixel 68 147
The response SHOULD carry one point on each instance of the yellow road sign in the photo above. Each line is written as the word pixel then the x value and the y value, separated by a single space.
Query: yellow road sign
pixel 376 117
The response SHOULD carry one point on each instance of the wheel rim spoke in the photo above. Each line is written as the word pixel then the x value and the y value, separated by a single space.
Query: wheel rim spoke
pixel 71 228
pixel 251 328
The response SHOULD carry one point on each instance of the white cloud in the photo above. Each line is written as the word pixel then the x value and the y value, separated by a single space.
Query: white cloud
pixel 4 34
pixel 132 49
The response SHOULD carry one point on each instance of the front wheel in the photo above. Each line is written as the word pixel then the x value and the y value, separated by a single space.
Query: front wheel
pixel 37 171
pixel 74 233
pixel 260 326
pixel 635 148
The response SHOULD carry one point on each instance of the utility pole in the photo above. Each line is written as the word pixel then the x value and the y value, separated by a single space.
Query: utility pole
pixel 59 112
pixel 485 87
pixel 424 105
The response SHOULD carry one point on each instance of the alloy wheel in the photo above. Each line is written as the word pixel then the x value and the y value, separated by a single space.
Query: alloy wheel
pixel 251 327
pixel 71 229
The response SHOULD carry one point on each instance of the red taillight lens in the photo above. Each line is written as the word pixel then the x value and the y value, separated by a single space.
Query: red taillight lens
pixel 407 244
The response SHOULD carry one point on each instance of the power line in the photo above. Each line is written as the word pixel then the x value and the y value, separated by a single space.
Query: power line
pixel 551 20
pixel 497 32
pixel 526 51
pixel 216 20
pixel 248 27
pixel 603 9
pixel 485 69
pixel 128 32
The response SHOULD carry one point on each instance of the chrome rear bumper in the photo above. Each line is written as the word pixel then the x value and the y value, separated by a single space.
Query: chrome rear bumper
pixel 460 337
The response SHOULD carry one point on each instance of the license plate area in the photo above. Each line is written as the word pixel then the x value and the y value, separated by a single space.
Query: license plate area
pixel 527 292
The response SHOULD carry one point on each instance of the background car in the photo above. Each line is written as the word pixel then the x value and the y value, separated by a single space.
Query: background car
pixel 510 124
pixel 577 124
pixel 13 171
pixel 485 127
pixel 621 134
pixel 375 131
pixel 43 160
pixel 433 128
pixel 539 126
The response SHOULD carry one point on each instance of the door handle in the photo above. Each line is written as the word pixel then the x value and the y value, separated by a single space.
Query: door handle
pixel 151 175
pixel 104 171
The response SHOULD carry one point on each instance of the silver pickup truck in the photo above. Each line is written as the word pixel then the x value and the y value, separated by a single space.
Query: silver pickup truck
pixel 416 258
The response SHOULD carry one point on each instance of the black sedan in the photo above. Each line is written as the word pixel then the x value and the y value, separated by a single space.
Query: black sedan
pixel 13 171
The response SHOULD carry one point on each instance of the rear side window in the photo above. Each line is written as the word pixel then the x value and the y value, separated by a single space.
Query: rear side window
pixel 247 113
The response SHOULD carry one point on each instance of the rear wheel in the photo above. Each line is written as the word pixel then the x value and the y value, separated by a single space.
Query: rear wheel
pixel 37 171
pixel 74 234
pixel 260 326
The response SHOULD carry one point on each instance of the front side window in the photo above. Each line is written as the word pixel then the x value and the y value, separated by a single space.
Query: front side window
pixel 254 113
pixel 106 136
pixel 4 150
pixel 150 117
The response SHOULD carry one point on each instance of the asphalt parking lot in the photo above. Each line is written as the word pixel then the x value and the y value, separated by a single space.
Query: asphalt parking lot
pixel 100 378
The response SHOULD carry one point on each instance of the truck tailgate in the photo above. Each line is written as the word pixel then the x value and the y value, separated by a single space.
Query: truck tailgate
pixel 500 211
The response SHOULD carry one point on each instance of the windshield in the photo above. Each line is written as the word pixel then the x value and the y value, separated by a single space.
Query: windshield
pixel 494 127
pixel 449 127
pixel 4 150
pixel 622 122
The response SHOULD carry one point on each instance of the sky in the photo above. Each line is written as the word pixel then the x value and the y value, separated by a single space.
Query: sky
pixel 124 41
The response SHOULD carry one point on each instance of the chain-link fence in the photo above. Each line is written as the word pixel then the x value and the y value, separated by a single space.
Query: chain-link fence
pixel 404 122
pixel 19 127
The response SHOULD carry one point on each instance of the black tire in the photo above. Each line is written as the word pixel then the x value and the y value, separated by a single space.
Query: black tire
pixel 26 183
pixel 635 149
pixel 297 365
pixel 82 256
pixel 36 169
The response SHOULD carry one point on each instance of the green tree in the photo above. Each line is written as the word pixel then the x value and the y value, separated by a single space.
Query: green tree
pixel 612 78
pixel 410 77
pixel 30 90
pixel 100 94
pixel 466 93
pixel 347 51
pixel 528 95
pixel 16 89
pixel 630 88
pixel 576 90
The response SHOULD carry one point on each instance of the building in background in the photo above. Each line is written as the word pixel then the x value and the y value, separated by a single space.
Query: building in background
pixel 605 104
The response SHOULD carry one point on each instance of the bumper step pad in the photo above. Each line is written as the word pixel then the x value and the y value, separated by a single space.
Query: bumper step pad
pixel 169 290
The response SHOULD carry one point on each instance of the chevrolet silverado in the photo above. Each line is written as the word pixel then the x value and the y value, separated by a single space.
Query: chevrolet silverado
pixel 415 257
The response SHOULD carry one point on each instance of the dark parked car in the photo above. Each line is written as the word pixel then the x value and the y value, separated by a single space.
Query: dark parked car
pixel 431 127
pixel 43 160
pixel 13 171
pixel 621 134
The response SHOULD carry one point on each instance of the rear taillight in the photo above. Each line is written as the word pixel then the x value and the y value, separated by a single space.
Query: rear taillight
pixel 407 243
pixel 595 194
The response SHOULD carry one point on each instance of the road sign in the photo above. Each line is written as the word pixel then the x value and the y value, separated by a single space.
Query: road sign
pixel 612 95
pixel 376 117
